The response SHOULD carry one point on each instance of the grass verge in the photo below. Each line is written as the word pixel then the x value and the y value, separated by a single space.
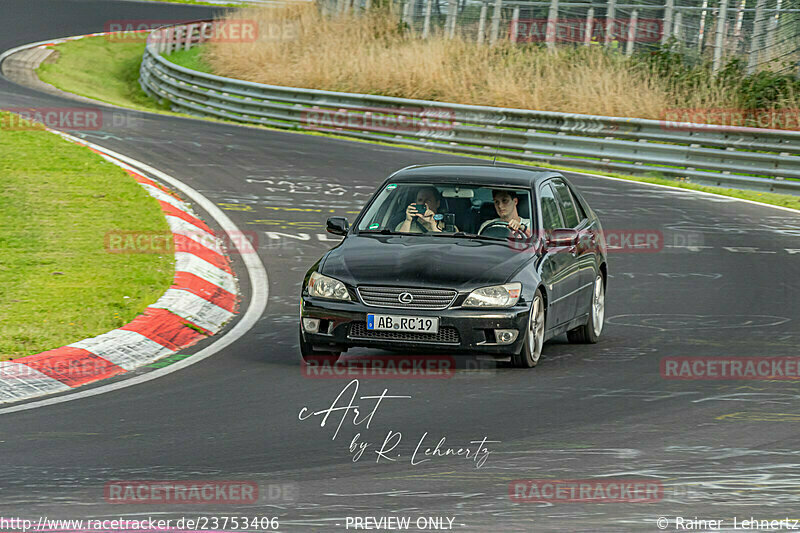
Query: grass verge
pixel 193 59
pixel 102 69
pixel 58 284
pixel 106 63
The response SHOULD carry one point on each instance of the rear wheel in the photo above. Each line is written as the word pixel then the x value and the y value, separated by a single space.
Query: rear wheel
pixel 528 356
pixel 590 332
pixel 309 354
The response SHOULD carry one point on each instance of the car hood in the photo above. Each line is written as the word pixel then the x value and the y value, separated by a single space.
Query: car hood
pixel 421 261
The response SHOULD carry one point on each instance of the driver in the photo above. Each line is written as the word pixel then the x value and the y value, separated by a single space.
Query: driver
pixel 416 222
pixel 505 203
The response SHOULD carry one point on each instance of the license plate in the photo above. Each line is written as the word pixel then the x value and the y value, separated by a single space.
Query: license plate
pixel 416 324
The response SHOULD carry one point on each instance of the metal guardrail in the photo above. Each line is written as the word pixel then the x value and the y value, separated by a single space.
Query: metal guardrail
pixel 744 158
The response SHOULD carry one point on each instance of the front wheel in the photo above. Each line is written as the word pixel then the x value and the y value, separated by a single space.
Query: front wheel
pixel 590 332
pixel 528 356
pixel 309 355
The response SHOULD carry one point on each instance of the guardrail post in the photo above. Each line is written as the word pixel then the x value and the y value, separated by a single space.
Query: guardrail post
pixel 737 30
pixel 498 7
pixel 677 25
pixel 189 34
pixel 610 12
pixel 666 30
pixel 720 34
pixel 631 32
pixel 450 22
pixel 587 37
pixel 157 40
pixel 552 20
pixel 482 23
pixel 407 12
pixel 772 26
pixel 758 36
pixel 515 25
pixel 172 36
pixel 701 30
pixel 426 26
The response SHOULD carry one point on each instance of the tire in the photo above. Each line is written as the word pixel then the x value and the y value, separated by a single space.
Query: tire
pixel 531 351
pixel 589 333
pixel 308 354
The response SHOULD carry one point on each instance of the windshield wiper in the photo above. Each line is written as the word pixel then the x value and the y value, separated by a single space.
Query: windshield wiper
pixel 383 231
pixel 466 235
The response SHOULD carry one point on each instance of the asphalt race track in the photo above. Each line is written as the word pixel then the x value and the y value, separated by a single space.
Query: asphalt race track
pixel 726 283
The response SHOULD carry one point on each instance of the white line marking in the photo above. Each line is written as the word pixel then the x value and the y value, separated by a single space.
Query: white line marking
pixel 21 382
pixel 259 284
pixel 197 235
pixel 186 262
pixel 124 348
pixel 194 308
pixel 158 194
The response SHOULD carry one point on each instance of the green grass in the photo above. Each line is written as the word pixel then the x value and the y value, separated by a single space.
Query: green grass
pixel 102 69
pixel 191 59
pixel 109 71
pixel 58 284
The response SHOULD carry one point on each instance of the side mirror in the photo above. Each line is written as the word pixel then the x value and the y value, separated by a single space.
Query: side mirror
pixel 338 225
pixel 561 238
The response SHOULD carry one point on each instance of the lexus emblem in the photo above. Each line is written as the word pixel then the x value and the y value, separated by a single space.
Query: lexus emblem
pixel 406 298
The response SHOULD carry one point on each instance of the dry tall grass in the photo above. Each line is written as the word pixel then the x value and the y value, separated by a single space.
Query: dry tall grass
pixel 368 54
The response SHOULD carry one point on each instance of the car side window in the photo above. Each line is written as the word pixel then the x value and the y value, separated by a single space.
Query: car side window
pixel 567 206
pixel 551 218
pixel 578 206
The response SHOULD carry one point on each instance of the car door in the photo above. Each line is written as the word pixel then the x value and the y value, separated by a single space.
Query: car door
pixel 559 268
pixel 584 254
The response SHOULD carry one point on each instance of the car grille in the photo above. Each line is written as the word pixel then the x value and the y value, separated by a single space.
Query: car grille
pixel 422 298
pixel 446 334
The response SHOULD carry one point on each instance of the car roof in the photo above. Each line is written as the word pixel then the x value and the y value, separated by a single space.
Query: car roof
pixel 459 173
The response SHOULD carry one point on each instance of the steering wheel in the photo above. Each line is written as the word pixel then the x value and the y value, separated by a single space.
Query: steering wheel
pixel 514 233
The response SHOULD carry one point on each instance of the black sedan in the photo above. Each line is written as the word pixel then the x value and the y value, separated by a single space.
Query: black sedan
pixel 475 259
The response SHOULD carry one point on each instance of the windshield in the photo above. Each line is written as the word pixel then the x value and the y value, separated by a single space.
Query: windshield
pixel 448 209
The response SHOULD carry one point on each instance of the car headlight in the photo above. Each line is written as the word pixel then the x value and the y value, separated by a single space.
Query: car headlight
pixel 494 296
pixel 325 287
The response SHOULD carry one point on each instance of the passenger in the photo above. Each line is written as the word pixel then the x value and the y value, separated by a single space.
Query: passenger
pixel 505 203
pixel 416 222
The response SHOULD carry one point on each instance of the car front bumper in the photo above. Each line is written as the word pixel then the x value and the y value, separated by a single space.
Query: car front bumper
pixel 343 325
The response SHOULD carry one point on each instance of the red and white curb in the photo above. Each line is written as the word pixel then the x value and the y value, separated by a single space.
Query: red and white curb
pixel 202 298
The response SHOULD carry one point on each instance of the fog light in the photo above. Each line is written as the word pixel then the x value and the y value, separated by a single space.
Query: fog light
pixel 311 325
pixel 505 336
